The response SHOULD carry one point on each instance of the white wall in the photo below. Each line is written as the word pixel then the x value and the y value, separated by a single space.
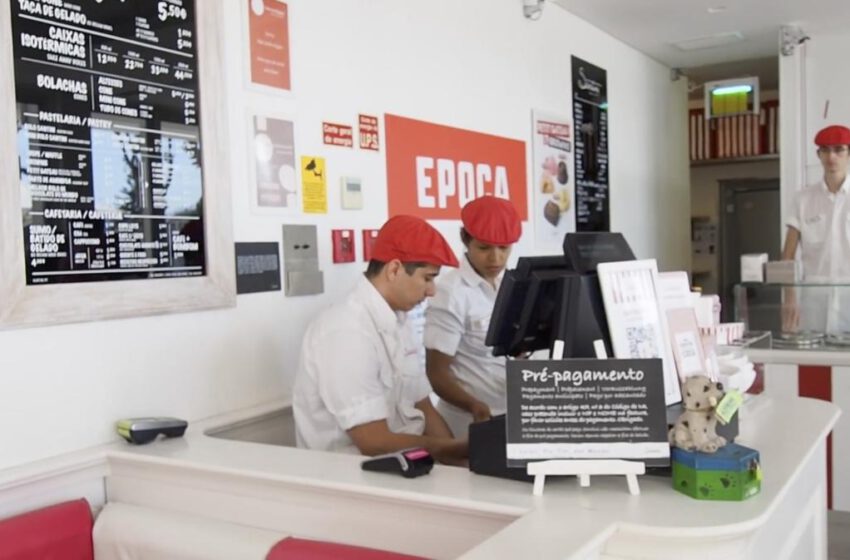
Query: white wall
pixel 475 64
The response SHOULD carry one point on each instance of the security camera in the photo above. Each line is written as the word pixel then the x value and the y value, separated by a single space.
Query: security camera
pixel 532 9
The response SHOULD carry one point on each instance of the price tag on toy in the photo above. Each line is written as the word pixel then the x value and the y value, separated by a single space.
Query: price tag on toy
pixel 728 406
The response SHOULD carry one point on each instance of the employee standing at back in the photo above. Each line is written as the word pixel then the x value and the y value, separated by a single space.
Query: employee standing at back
pixel 469 380
pixel 819 224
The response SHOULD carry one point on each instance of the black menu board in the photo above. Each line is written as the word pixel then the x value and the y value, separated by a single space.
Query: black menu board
pixel 590 113
pixel 108 139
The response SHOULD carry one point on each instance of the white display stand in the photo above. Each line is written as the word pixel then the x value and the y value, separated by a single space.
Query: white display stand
pixel 584 468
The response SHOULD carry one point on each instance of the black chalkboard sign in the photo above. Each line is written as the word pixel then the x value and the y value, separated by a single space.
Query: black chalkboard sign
pixel 590 113
pixel 586 409
pixel 108 136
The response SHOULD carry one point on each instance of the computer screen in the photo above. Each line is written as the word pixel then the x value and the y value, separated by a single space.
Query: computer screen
pixel 542 301
pixel 556 297
pixel 585 250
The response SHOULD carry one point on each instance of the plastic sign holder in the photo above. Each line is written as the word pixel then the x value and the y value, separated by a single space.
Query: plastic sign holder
pixel 584 468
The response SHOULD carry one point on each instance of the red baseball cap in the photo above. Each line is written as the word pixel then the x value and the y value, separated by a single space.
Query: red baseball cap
pixel 492 220
pixel 411 239
pixel 834 135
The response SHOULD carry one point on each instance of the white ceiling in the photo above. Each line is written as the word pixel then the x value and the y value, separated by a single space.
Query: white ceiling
pixel 652 26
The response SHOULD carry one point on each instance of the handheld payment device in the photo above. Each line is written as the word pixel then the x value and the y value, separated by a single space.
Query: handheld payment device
pixel 409 463
pixel 145 430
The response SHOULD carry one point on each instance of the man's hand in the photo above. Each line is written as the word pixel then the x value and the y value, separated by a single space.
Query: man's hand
pixel 480 411
pixel 451 452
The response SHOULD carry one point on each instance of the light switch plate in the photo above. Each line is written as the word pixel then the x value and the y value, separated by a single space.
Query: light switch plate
pixel 352 193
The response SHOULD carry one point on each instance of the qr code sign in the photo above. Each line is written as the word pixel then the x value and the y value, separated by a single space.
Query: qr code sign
pixel 642 342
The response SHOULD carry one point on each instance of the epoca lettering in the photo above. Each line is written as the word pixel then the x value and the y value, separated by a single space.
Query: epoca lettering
pixel 463 180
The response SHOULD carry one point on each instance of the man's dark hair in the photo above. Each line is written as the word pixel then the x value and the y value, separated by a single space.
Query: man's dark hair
pixel 375 267
pixel 465 238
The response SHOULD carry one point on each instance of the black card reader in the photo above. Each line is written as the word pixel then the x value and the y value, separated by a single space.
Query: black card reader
pixel 145 430
pixel 409 463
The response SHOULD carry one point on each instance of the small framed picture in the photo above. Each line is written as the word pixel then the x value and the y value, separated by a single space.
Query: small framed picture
pixel 637 325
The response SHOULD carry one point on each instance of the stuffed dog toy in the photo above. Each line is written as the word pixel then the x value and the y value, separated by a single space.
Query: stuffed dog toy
pixel 694 430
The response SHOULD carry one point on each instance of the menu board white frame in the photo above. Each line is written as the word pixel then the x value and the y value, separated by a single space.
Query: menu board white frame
pixel 29 306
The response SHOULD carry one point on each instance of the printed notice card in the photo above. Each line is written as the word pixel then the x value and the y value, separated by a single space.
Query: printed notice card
pixel 586 409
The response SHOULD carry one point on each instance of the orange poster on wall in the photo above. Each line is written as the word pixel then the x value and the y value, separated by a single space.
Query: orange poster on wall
pixel 268 34
pixel 434 170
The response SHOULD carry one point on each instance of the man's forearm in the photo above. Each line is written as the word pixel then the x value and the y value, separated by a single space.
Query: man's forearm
pixel 447 388
pixel 375 438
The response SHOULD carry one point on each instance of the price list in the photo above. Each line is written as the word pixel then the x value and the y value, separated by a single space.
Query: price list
pixel 108 136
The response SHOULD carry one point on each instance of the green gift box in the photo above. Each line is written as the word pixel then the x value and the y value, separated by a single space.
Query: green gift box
pixel 732 473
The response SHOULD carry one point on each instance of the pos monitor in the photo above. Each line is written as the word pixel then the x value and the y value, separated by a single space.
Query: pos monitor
pixel 551 298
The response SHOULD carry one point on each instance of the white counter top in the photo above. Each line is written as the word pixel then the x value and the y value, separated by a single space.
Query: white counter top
pixel 566 522
pixel 832 357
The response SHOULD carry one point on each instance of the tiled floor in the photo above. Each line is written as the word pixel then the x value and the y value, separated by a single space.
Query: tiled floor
pixel 839 535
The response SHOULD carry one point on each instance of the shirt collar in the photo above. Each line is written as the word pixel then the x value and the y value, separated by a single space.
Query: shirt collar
pixel 467 272
pixel 385 318
pixel 844 188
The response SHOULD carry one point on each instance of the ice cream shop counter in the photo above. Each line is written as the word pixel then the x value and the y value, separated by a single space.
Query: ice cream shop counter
pixel 170 491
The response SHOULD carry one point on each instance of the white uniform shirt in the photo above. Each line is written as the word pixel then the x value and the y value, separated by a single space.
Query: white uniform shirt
pixel 823 220
pixel 456 324
pixel 358 364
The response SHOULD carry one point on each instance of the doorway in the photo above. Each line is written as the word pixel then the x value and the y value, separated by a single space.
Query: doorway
pixel 749 216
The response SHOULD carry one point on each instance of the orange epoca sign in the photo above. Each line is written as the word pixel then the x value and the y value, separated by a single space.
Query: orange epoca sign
pixel 434 170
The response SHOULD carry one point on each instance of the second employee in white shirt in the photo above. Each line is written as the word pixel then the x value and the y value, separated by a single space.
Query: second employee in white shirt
pixel 469 380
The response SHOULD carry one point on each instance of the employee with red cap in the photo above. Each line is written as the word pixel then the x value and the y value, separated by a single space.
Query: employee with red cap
pixel 359 385
pixel 469 380
pixel 820 225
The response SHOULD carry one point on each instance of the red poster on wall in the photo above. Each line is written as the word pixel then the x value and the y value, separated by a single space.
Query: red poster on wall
pixel 434 170
pixel 337 135
pixel 268 28
pixel 369 139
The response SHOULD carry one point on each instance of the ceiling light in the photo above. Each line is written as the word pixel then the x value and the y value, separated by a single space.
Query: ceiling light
pixel 710 41
pixel 730 90
pixel 716 9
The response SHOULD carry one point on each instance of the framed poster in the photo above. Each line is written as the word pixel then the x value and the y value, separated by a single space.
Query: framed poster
pixel 636 322
pixel 113 134
pixel 267 45
pixel 271 147
pixel 554 191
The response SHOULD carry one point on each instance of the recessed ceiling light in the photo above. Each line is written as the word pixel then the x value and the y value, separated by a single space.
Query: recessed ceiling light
pixel 708 42
pixel 716 9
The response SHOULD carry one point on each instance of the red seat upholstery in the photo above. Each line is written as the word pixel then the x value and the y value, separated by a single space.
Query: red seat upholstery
pixel 302 549
pixel 60 532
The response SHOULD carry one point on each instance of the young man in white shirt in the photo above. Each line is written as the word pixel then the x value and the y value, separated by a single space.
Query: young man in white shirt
pixel 820 225
pixel 359 386
pixel 469 380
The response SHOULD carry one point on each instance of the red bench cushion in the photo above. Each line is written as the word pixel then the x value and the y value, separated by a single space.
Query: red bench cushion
pixel 302 549
pixel 60 532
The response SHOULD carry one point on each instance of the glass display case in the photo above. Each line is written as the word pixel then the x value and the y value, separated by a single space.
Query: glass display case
pixel 798 316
